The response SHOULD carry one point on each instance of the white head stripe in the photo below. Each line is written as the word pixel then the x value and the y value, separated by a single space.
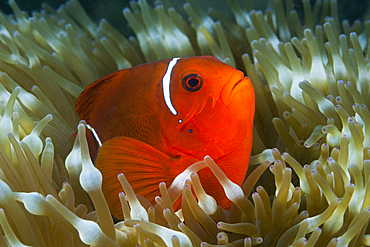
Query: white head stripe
pixel 94 133
pixel 166 85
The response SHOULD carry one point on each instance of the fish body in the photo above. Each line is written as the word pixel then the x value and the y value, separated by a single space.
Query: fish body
pixel 156 119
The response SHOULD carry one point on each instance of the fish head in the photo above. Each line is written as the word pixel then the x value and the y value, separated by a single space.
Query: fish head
pixel 214 105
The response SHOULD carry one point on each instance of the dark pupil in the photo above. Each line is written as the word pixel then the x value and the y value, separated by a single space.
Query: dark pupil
pixel 193 82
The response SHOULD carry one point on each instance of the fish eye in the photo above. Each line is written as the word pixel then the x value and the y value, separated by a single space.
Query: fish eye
pixel 192 83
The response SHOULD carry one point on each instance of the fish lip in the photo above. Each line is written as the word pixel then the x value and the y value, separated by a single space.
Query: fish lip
pixel 231 89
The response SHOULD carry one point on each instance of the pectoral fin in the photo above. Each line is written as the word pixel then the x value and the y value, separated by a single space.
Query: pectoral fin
pixel 143 166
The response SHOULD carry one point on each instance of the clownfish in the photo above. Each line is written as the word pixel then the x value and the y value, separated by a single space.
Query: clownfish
pixel 152 121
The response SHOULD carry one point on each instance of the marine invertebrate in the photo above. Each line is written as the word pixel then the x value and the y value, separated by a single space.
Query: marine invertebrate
pixel 316 86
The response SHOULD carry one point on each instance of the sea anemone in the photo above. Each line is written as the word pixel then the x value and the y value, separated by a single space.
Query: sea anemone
pixel 312 128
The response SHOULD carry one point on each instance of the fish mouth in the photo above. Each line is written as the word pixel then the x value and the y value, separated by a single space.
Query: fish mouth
pixel 232 88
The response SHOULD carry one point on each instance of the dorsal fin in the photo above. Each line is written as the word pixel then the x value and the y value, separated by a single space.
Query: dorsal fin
pixel 90 97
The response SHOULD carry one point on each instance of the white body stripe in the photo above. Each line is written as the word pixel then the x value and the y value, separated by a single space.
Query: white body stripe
pixel 94 133
pixel 166 85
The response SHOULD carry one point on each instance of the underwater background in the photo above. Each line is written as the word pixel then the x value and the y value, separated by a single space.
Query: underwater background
pixel 311 142
pixel 112 9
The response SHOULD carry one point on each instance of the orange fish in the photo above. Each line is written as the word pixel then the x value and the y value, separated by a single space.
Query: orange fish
pixel 156 119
